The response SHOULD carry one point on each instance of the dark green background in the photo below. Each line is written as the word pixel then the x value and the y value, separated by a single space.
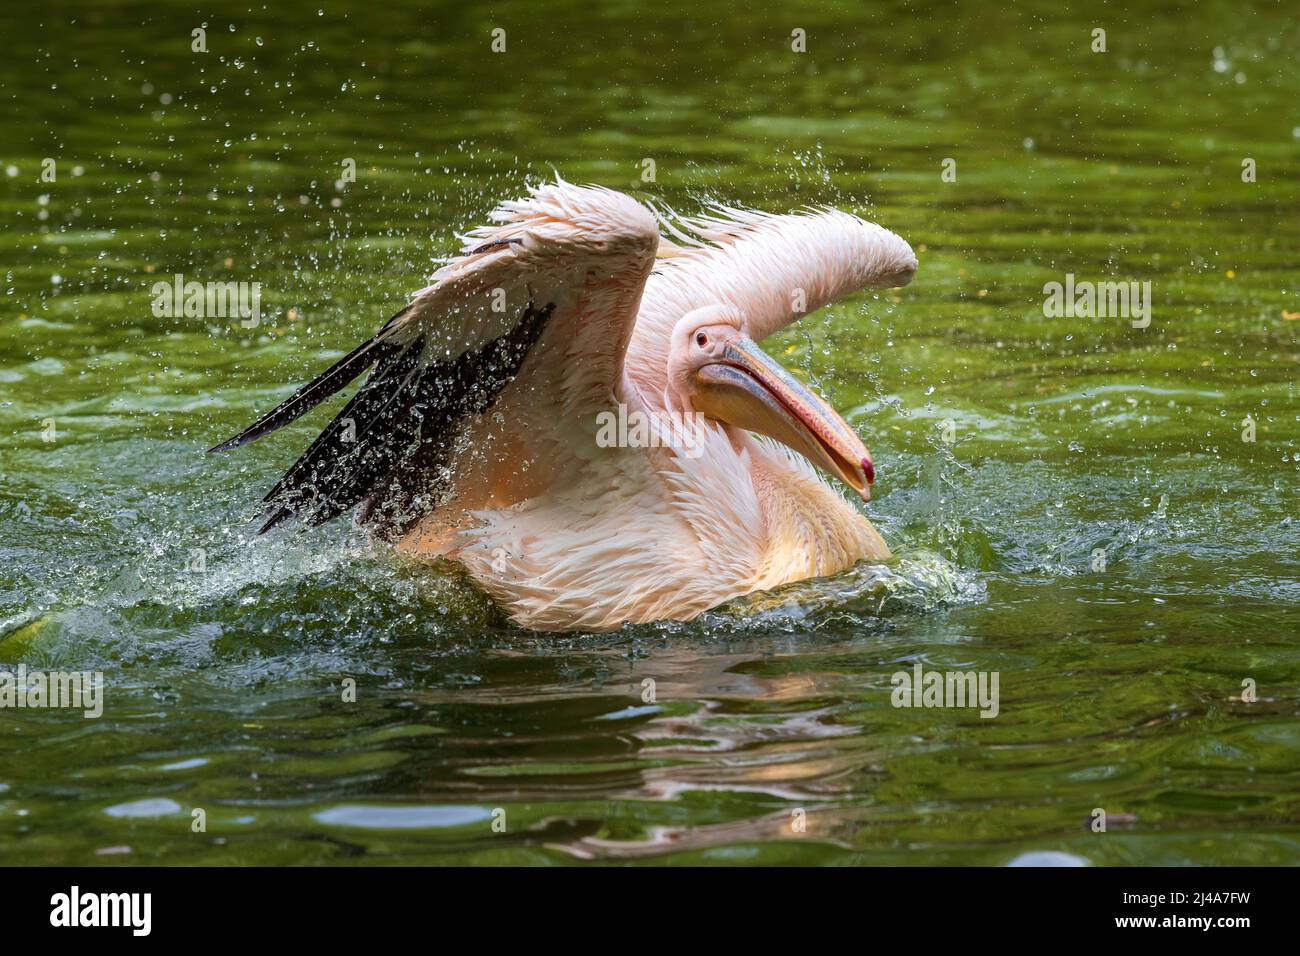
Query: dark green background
pixel 223 691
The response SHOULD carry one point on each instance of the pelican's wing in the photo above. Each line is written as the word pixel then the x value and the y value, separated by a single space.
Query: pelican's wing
pixel 566 265
pixel 775 268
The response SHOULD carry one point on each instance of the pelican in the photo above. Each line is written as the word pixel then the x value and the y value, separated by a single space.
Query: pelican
pixel 503 424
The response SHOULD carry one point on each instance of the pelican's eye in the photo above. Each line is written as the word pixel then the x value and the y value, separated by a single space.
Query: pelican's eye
pixel 701 339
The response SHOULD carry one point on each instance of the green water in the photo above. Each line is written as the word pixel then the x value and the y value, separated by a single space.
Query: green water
pixel 1119 686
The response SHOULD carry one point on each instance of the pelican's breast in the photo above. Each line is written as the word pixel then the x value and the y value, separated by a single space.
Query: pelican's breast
pixel 810 529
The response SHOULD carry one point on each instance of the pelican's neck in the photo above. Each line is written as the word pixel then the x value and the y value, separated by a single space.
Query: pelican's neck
pixel 762 510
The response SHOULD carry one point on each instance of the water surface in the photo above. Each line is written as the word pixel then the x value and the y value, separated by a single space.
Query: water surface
pixel 1011 448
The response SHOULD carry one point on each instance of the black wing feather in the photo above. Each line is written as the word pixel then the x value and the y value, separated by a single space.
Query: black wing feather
pixel 314 392
pixel 358 446
pixel 407 410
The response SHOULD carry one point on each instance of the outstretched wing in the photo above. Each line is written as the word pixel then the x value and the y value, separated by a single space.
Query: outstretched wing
pixel 773 268
pixel 566 266
pixel 778 268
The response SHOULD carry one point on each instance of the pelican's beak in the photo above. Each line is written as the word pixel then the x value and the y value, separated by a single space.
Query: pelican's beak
pixel 745 388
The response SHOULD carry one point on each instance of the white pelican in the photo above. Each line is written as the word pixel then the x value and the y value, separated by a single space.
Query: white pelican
pixel 478 436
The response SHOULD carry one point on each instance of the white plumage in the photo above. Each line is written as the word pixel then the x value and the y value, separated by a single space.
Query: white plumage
pixel 567 534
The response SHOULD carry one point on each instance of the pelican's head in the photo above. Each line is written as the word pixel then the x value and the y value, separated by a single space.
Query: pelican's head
pixel 716 369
